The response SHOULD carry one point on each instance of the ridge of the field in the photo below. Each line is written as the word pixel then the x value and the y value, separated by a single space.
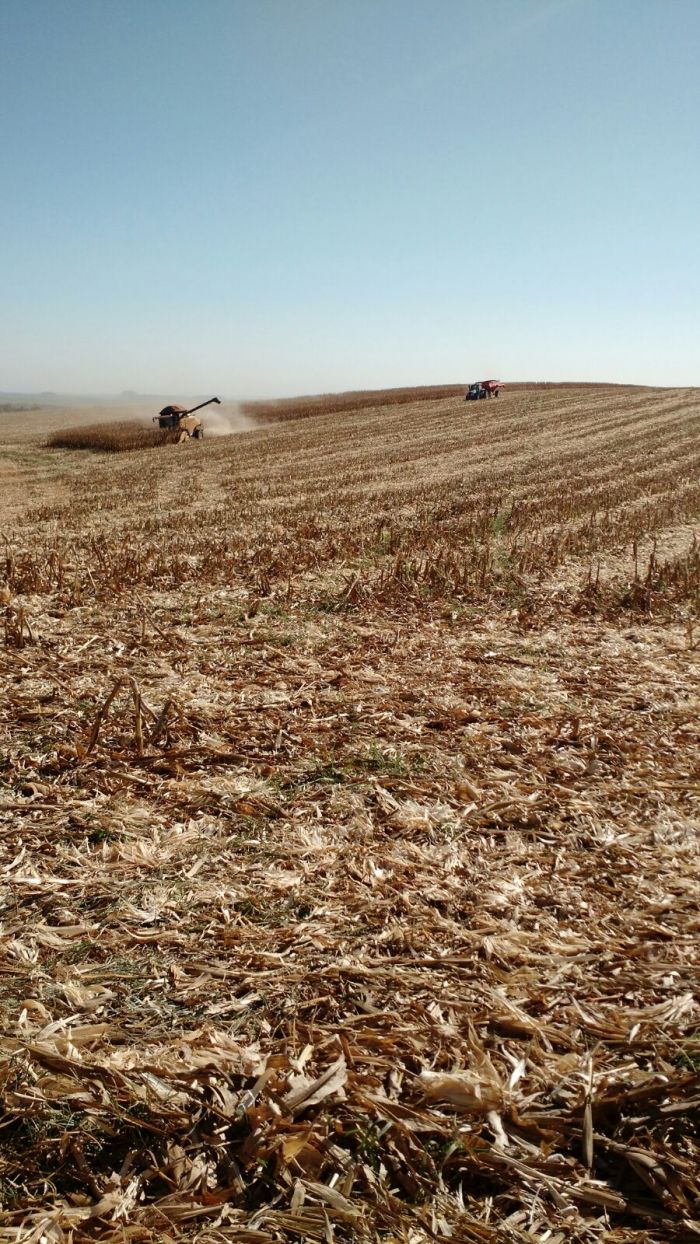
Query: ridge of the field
pixel 50 411
pixel 276 410
pixel 349 795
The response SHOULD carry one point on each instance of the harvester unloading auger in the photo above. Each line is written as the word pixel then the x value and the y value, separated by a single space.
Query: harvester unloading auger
pixel 181 418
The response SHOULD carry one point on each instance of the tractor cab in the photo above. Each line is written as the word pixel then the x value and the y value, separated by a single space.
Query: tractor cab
pixel 475 392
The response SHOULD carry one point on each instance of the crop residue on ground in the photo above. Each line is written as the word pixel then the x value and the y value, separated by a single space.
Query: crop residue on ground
pixel 348 810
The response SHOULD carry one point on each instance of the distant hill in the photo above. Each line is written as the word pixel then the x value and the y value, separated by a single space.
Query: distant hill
pixel 127 398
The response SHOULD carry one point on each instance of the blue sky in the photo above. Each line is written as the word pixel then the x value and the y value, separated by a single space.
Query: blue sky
pixel 286 196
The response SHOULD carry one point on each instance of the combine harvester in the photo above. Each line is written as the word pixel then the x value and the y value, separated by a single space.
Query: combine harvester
pixel 181 418
pixel 482 389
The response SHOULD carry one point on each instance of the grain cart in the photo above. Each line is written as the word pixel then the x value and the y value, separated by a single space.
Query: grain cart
pixel 491 386
pixel 183 419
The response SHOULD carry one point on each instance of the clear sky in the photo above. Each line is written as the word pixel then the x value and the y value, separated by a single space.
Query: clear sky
pixel 288 196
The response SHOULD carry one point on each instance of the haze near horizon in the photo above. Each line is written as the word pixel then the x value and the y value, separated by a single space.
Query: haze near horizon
pixel 266 199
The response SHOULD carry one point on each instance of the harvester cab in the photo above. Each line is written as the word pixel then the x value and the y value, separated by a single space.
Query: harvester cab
pixel 183 419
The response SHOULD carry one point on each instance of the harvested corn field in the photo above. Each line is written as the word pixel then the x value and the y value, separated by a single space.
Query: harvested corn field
pixel 348 807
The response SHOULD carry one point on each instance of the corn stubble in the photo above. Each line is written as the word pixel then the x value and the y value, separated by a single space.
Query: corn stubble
pixel 348 806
